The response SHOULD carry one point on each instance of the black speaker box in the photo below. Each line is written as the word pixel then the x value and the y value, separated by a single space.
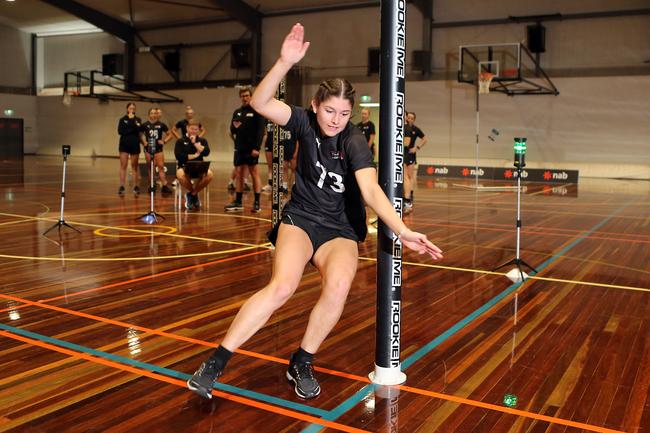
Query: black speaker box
pixel 173 61
pixel 374 58
pixel 240 55
pixel 537 38
pixel 113 64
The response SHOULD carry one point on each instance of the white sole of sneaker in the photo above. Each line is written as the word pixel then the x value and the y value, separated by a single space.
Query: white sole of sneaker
pixel 298 393
pixel 198 391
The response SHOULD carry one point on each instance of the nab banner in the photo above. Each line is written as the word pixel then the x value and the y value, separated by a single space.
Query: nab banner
pixel 545 175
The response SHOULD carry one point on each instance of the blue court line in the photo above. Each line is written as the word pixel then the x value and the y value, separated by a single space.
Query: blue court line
pixel 352 401
pixel 167 372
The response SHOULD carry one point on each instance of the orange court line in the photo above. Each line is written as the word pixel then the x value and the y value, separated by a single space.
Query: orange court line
pixel 556 229
pixel 508 410
pixel 169 335
pixel 146 277
pixel 433 394
pixel 237 399
pixel 535 232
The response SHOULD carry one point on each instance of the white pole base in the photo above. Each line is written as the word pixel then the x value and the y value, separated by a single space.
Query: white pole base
pixel 515 275
pixel 387 376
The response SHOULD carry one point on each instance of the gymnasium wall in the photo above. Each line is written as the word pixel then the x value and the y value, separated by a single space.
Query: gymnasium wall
pixel 16 58
pixel 598 124
pixel 75 53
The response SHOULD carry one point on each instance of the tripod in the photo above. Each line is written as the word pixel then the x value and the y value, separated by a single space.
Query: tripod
pixel 518 261
pixel 151 217
pixel 66 151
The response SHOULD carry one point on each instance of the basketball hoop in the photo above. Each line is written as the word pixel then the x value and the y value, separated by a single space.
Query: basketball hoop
pixel 484 80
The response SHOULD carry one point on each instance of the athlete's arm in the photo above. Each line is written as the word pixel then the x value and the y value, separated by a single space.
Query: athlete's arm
pixel 263 100
pixel 423 142
pixel 377 200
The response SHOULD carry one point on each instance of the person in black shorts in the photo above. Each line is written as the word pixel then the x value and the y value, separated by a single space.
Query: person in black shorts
pixel 180 129
pixel 290 147
pixel 129 129
pixel 248 130
pixel 319 225
pixel 192 148
pixel 411 134
pixel 368 128
pixel 154 129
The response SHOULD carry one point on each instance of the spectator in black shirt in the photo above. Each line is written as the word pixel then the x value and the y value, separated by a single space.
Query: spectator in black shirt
pixel 192 148
pixel 411 134
pixel 180 129
pixel 368 129
pixel 153 130
pixel 248 130
pixel 318 223
pixel 129 129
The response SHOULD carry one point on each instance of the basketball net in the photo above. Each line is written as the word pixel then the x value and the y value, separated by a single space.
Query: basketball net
pixel 484 80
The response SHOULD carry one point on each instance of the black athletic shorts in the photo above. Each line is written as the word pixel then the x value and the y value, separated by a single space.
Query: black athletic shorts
pixel 244 158
pixel 130 148
pixel 318 234
pixel 410 158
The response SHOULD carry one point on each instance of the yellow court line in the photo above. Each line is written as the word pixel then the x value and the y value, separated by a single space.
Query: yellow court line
pixel 100 232
pixel 197 238
pixel 557 280
pixel 119 259
pixel 222 215
pixel 7 223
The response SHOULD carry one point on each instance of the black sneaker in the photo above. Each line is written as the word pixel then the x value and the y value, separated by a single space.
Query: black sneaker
pixel 256 208
pixel 302 375
pixel 121 190
pixel 196 202
pixel 231 187
pixel 233 207
pixel 189 203
pixel 283 190
pixel 166 190
pixel 203 378
pixel 136 189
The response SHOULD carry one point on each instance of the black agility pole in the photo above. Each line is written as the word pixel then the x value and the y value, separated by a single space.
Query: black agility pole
pixel 391 175
pixel 278 160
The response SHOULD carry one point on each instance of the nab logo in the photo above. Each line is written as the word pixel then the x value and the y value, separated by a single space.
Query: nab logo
pixel 524 174
pixel 562 176
pixel 441 170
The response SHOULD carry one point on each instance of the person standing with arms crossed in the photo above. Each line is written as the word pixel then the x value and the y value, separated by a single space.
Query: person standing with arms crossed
pixel 318 225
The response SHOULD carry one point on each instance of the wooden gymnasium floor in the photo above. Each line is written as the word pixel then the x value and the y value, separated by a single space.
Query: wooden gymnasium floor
pixel 98 333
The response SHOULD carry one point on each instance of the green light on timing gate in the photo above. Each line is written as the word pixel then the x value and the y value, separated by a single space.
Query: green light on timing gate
pixel 520 146
pixel 9 112
pixel 510 400
pixel 366 98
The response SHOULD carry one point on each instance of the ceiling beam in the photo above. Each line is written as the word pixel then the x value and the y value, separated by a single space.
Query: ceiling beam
pixel 107 23
pixel 242 12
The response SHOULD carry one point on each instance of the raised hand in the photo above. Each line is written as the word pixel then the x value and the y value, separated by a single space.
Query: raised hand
pixel 419 243
pixel 294 47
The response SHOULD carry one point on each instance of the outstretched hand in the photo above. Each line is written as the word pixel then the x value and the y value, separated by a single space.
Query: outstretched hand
pixel 294 47
pixel 419 243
